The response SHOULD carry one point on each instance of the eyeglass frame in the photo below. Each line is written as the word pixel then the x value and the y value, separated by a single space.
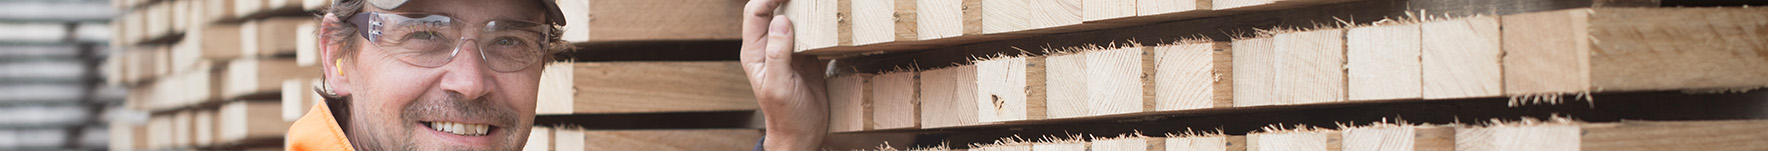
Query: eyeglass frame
pixel 368 29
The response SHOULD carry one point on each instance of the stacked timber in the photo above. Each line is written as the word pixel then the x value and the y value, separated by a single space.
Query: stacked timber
pixel 209 72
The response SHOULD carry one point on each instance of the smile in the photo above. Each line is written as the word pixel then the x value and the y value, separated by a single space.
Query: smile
pixel 462 129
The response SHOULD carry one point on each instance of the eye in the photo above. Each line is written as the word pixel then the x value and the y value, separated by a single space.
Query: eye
pixel 507 41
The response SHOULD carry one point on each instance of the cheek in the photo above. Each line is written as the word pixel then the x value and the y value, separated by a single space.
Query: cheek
pixel 520 90
pixel 391 88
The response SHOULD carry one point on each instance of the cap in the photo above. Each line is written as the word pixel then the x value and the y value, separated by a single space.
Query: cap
pixel 553 15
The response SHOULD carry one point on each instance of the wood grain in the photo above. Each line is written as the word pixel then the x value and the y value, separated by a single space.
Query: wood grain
pixel 1119 80
pixel 1399 138
pixel 1129 144
pixel 1066 85
pixel 1382 62
pixel 1294 141
pixel 669 140
pixel 1207 143
pixel 849 104
pixel 896 101
pixel 1310 66
pixel 1003 91
pixel 948 97
pixel 610 21
pixel 242 121
pixel 1460 58
pixel 646 87
pixel 1633 49
pixel 1255 72
pixel 1193 75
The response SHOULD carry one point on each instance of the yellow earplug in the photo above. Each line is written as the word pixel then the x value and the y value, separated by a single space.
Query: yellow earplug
pixel 338 66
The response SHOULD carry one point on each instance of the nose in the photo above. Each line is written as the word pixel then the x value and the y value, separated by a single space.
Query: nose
pixel 466 74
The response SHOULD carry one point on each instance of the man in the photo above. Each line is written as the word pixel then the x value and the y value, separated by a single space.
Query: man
pixel 462 75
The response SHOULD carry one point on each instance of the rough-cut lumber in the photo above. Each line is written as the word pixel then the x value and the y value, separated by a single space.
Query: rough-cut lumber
pixel 212 42
pixel 1381 62
pixel 948 97
pixel 601 21
pixel 1012 146
pixel 214 10
pixel 1399 138
pixel 159 131
pixel 241 9
pixel 1460 58
pixel 1293 140
pixel 1120 80
pixel 250 77
pixel 296 98
pixel 1172 8
pixel 873 23
pixel 539 139
pixel 1030 16
pixel 1065 85
pixel 1193 75
pixel 1258 5
pixel 312 5
pixel 1097 10
pixel 1207 143
pixel 271 37
pixel 1005 90
pixel 816 23
pixel 895 101
pixel 563 138
pixel 1255 72
pixel 952 21
pixel 555 95
pixel 1634 49
pixel 666 140
pixel 182 126
pixel 1310 66
pixel 203 127
pixel 1621 136
pixel 849 106
pixel 1075 145
pixel 641 87
pixel 1134 143
pixel 307 45
pixel 250 120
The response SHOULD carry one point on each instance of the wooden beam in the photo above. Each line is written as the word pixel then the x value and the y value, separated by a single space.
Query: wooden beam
pixel 815 23
pixel 956 21
pixel 609 21
pixel 1399 137
pixel 1207 143
pixel 203 127
pixel 1193 75
pixel 895 97
pixel 1132 143
pixel 874 24
pixel 646 87
pixel 556 94
pixel 1060 146
pixel 314 5
pixel 949 97
pixel 182 126
pixel 307 45
pixel 1310 66
pixel 1099 10
pixel 564 139
pixel 1382 62
pixel 1633 49
pixel 1065 85
pixel 1005 90
pixel 297 97
pixel 1293 140
pixel 250 121
pixel 216 10
pixel 1460 58
pixel 1255 72
pixel 212 42
pixel 539 139
pixel 1119 80
pixel 1174 8
pixel 849 103
pixel 271 37
pixel 667 140
pixel 159 132
pixel 253 77
pixel 1674 135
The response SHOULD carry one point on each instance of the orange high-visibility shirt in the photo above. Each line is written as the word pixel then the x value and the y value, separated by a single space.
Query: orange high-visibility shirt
pixel 317 131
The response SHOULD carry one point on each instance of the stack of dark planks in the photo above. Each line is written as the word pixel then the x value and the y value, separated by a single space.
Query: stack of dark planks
pixel 210 73
pixel 962 73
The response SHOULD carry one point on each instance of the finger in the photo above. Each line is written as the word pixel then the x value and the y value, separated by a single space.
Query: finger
pixel 779 44
pixel 757 15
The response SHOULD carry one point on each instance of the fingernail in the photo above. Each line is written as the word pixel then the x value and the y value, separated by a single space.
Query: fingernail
pixel 780 26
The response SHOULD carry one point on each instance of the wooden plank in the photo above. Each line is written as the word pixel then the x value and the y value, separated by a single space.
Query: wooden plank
pixel 948 97
pixel 1119 80
pixel 1074 145
pixel 539 139
pixel 1005 91
pixel 668 140
pixel 1207 143
pixel 1065 84
pixel 1399 138
pixel 603 21
pixel 1382 62
pixel 1294 140
pixel 555 95
pixel 242 9
pixel 1310 66
pixel 873 24
pixel 815 23
pixel 849 104
pixel 1173 8
pixel 307 45
pixel 1460 58
pixel 1730 135
pixel 271 37
pixel 952 21
pixel 249 120
pixel 1255 72
pixel 295 101
pixel 214 10
pixel 183 123
pixel 1013 146
pixel 895 99
pixel 1098 10
pixel 314 5
pixel 159 132
pixel 1534 137
pixel 203 127
pixel 1193 75
pixel 1031 16
pixel 644 87
pixel 1633 49
pixel 563 138
pixel 253 77
pixel 1132 143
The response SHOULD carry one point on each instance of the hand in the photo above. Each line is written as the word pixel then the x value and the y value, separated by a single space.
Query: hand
pixel 789 88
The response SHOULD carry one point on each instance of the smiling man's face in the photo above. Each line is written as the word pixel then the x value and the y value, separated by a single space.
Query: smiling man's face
pixel 461 105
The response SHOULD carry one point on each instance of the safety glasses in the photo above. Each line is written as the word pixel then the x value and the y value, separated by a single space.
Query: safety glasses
pixel 433 40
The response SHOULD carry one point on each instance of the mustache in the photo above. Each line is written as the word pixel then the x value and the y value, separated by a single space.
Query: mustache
pixel 453 106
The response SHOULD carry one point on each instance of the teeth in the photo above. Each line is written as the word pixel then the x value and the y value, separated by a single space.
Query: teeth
pixel 461 128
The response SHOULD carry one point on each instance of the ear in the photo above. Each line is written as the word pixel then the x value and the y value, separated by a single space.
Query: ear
pixel 331 62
